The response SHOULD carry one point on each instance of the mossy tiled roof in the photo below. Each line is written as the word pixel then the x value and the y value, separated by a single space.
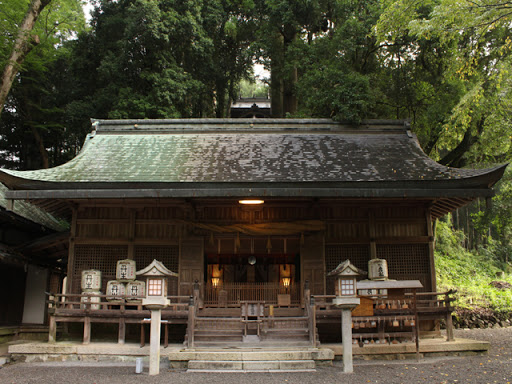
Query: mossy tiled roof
pixel 277 151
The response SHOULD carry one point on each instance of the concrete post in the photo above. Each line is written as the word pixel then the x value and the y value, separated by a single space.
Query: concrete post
pixel 154 347
pixel 346 335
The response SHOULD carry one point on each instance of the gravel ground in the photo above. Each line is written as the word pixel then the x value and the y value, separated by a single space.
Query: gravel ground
pixel 494 368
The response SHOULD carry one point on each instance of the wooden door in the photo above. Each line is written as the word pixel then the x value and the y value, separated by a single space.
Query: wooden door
pixel 312 256
pixel 191 265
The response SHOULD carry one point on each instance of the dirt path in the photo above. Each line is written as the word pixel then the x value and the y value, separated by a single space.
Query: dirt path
pixel 494 368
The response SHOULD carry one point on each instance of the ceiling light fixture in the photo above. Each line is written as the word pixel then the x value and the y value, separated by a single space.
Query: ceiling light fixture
pixel 251 201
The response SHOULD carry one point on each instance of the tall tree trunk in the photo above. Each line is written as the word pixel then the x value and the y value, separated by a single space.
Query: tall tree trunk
pixel 290 78
pixel 22 46
pixel 41 148
pixel 276 92
pixel 290 102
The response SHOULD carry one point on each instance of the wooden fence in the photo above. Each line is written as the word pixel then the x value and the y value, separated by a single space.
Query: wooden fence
pixel 231 294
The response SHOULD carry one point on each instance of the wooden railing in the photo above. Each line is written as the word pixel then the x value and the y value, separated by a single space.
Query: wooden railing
pixel 231 294
pixel 410 308
pixel 91 308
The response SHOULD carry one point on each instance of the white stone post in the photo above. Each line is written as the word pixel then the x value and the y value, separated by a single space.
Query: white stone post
pixel 154 347
pixel 346 335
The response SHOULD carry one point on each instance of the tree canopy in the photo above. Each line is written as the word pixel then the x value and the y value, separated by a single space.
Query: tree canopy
pixel 443 64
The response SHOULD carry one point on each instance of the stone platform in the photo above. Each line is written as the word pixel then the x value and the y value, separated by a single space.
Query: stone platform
pixel 241 357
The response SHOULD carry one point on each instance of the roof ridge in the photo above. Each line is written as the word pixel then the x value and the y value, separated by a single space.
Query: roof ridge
pixel 246 125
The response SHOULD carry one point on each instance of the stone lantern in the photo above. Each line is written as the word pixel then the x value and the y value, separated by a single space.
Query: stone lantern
pixel 156 275
pixel 346 299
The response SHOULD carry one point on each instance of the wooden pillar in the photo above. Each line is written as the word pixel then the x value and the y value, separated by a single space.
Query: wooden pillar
pixel 449 327
pixel 312 259
pixel 431 246
pixel 372 231
pixel 122 331
pixel 87 330
pixel 131 236
pixel 416 324
pixel 71 252
pixel 52 330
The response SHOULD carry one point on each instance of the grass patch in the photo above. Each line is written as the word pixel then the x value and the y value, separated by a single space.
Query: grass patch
pixel 470 272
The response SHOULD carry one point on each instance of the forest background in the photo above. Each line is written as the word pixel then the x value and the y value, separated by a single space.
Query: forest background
pixel 443 64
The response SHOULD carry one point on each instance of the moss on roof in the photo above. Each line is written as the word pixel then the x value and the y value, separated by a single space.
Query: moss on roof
pixel 207 151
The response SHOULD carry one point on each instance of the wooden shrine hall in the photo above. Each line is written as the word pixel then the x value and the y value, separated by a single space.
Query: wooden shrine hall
pixel 252 214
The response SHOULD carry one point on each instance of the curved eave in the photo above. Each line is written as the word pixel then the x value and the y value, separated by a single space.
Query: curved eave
pixel 485 179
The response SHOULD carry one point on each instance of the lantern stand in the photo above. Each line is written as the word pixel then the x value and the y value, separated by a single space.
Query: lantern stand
pixel 346 299
pixel 156 298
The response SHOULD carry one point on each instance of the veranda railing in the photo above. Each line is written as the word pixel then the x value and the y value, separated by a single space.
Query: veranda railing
pixel 231 294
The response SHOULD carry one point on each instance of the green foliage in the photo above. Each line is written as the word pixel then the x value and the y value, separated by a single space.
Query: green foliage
pixel 333 92
pixel 469 272
pixel 253 89
pixel 33 125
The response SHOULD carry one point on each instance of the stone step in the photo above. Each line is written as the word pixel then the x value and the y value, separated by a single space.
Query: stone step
pixel 251 365
pixel 258 355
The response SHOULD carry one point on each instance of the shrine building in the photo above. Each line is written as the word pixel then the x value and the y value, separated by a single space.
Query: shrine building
pixel 250 210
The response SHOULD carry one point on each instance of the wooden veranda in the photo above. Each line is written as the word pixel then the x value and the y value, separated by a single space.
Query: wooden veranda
pixel 378 320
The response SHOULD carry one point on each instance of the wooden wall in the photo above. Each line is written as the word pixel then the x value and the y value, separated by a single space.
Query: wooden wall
pixel 103 232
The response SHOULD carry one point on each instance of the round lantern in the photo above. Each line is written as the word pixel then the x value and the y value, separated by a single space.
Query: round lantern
pixel 125 270
pixel 378 269
pixel 91 280
pixel 114 290
pixel 135 288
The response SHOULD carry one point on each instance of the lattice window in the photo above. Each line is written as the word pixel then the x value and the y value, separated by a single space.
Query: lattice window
pixel 357 254
pixel 407 262
pixel 154 287
pixel 100 257
pixel 347 287
pixel 335 254
pixel 167 254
